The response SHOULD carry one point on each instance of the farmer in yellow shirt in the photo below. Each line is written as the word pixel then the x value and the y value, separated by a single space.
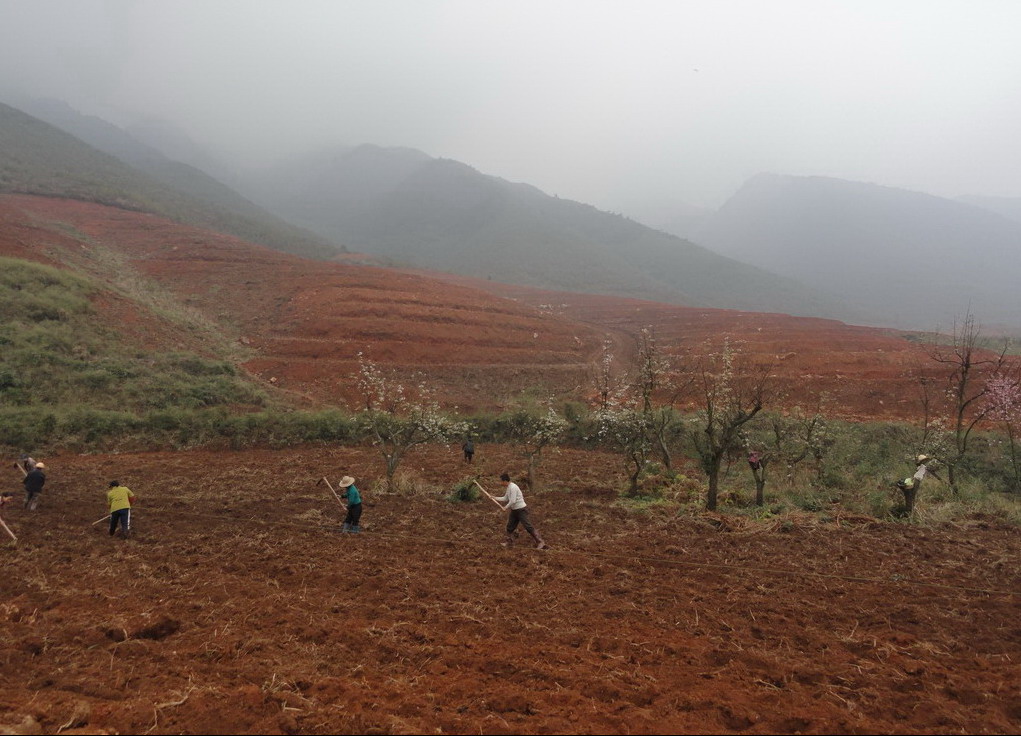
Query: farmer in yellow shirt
pixel 120 497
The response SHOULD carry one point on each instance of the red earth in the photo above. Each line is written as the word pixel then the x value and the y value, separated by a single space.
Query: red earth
pixel 299 325
pixel 238 608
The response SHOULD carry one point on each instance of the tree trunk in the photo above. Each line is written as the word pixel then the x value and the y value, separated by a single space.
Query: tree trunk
pixel 392 461
pixel 952 477
pixel 533 480
pixel 633 487
pixel 714 484
pixel 760 486
pixel 664 452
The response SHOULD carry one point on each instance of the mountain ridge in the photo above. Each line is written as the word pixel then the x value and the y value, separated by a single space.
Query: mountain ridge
pixel 446 215
pixel 919 259
pixel 40 157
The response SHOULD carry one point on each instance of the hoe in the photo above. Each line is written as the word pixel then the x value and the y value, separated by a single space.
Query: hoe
pixel 324 480
pixel 491 498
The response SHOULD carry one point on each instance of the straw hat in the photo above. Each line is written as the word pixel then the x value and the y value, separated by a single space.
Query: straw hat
pixel 40 466
pixel 346 481
pixel 922 459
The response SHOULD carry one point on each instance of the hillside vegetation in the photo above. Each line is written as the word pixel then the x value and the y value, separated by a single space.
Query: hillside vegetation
pixel 38 158
pixel 61 359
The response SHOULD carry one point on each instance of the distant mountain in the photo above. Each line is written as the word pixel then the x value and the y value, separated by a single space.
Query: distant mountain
pixel 440 214
pixel 57 151
pixel 1009 207
pixel 175 144
pixel 672 216
pixel 911 259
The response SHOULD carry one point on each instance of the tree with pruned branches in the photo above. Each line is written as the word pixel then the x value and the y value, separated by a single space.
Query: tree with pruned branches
pixel 966 367
pixel 400 417
pixel 728 401
pixel 533 432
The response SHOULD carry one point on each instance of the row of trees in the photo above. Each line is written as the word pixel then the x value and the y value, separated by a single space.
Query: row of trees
pixel 712 403
pixel 400 417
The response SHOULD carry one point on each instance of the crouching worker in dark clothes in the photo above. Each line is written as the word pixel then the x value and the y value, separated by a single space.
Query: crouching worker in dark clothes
pixel 514 501
pixel 352 522
pixel 34 481
pixel 119 498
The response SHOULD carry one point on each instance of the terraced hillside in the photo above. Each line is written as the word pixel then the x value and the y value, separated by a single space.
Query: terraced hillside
pixel 298 325
pixel 302 323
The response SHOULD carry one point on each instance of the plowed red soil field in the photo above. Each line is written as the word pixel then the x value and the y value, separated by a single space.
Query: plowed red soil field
pixel 238 608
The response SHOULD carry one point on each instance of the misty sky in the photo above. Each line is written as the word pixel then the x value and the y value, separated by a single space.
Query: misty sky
pixel 604 102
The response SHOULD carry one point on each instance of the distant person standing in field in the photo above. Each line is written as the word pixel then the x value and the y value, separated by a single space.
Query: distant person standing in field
pixel 514 501
pixel 352 522
pixel 469 450
pixel 34 481
pixel 120 498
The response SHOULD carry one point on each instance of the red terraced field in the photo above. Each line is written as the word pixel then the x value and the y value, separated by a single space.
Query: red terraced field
pixel 299 324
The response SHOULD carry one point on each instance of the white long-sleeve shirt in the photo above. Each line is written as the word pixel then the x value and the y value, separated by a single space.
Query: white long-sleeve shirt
pixel 512 498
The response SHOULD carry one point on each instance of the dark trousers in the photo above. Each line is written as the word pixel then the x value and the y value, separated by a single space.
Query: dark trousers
pixel 519 516
pixel 354 514
pixel 31 500
pixel 122 516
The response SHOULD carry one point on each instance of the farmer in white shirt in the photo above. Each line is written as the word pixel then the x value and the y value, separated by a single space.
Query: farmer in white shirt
pixel 512 500
pixel 923 469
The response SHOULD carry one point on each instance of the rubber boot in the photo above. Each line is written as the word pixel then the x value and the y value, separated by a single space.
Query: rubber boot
pixel 539 544
pixel 509 541
pixel 355 529
pixel 345 528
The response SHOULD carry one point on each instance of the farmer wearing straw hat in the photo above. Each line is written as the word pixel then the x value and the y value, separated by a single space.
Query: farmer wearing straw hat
pixel 354 505
pixel 922 469
pixel 34 481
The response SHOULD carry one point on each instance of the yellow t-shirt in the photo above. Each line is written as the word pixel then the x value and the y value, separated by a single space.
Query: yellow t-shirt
pixel 119 497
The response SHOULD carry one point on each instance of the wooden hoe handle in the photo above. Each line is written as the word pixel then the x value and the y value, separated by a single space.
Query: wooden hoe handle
pixel 488 496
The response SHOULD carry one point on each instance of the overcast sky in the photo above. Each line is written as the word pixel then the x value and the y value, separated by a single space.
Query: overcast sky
pixel 603 102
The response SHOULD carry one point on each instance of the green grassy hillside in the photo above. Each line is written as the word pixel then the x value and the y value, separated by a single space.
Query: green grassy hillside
pixel 38 158
pixel 57 351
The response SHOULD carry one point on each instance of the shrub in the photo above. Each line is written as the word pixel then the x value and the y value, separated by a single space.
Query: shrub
pixel 465 491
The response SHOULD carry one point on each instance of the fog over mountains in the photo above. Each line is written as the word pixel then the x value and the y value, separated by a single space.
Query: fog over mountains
pixel 62 153
pixel 910 259
pixel 812 246
pixel 441 214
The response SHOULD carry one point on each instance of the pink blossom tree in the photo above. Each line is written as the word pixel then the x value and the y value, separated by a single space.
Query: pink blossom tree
pixel 1003 397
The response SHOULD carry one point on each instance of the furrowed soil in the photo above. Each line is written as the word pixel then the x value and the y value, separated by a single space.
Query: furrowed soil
pixel 237 607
